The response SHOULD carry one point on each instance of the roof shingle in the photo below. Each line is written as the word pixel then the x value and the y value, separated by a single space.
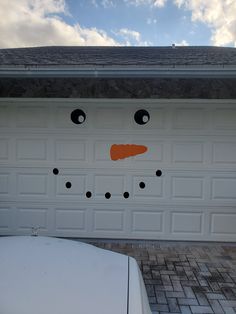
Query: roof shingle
pixel 118 56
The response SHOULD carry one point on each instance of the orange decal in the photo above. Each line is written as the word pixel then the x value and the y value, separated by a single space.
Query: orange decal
pixel 121 151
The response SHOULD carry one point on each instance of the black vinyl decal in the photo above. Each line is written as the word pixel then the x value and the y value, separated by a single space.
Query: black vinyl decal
pixel 142 185
pixel 141 117
pixel 108 195
pixel 78 116
pixel 68 185
pixel 158 173
pixel 126 194
pixel 88 194
pixel 55 171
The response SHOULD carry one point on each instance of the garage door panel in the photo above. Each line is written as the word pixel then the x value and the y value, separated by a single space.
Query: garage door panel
pixel 5 219
pixel 188 152
pixel 31 149
pixel 31 117
pixel 187 222
pixel 224 118
pixel 109 118
pixel 186 187
pixel 148 186
pixel 32 184
pixel 102 151
pixel 4 149
pixel 70 150
pixel 157 120
pixel 70 185
pixel 4 184
pixel 224 152
pixel 32 218
pixel 113 184
pixel 147 221
pixel 155 152
pixel 223 223
pixel 224 188
pixel 4 116
pixel 68 220
pixel 108 221
pixel 185 118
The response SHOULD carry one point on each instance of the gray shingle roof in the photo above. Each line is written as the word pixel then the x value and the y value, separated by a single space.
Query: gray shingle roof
pixel 118 56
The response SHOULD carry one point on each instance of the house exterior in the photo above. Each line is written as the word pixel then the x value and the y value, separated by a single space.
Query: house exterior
pixel 118 142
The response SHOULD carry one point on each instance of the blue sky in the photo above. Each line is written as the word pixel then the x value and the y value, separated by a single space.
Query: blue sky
pixel 156 25
pixel 27 23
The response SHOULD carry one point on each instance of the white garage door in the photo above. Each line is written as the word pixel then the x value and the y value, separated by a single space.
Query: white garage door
pixel 144 169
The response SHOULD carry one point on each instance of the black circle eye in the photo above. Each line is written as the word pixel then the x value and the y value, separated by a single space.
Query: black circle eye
pixel 141 117
pixel 68 185
pixel 142 185
pixel 78 116
pixel 126 194
pixel 108 195
pixel 158 173
pixel 55 171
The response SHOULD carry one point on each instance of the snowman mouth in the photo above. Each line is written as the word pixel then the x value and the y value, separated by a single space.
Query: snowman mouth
pixel 107 195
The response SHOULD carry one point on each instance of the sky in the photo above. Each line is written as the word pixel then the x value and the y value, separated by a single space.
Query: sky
pixel 30 23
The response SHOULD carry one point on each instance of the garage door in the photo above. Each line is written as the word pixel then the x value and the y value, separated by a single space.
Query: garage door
pixel 141 169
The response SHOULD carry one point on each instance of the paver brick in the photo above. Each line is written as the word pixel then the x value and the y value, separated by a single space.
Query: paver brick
pixel 229 303
pixel 175 294
pixel 216 307
pixel 163 288
pixel 159 307
pixel 215 296
pixel 186 301
pixel 202 300
pixel 173 305
pixel 185 309
pixel 161 297
pixel 189 292
pixel 201 309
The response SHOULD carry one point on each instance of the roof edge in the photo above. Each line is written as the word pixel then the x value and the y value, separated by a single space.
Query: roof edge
pixel 120 72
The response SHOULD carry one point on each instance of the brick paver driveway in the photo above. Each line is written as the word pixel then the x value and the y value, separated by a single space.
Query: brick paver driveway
pixel 186 278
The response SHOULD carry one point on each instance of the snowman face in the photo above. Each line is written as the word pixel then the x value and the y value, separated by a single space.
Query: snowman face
pixel 118 151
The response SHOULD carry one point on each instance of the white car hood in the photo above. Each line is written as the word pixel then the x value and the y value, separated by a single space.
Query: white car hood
pixel 43 275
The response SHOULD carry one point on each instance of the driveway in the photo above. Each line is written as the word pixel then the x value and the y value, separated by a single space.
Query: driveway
pixel 188 278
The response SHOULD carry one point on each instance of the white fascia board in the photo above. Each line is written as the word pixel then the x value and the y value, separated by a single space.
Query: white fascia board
pixel 119 72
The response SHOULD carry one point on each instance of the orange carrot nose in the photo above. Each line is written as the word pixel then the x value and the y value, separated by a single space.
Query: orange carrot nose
pixel 121 151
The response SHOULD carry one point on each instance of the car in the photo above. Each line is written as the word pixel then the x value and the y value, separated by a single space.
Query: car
pixel 46 275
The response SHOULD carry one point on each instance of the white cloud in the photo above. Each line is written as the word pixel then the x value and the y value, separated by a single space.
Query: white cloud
pixel 104 3
pixel 151 21
pixel 25 23
pixel 182 43
pixel 152 3
pixel 130 34
pixel 219 15
pixel 132 37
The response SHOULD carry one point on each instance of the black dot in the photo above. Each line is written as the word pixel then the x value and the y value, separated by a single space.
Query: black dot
pixel 126 195
pixel 88 194
pixel 78 116
pixel 108 195
pixel 68 185
pixel 141 117
pixel 158 173
pixel 142 185
pixel 55 171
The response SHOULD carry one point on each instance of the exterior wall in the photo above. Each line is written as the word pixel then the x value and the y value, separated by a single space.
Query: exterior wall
pixel 118 88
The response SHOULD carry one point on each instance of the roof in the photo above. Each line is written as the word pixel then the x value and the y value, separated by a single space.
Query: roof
pixel 118 72
pixel 118 56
